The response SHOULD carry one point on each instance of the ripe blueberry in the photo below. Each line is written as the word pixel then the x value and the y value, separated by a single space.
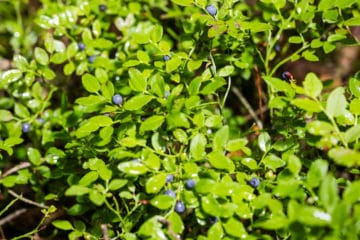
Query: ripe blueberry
pixel 211 9
pixel 91 59
pixel 40 120
pixel 166 58
pixel 287 76
pixel 179 207
pixel 102 7
pixel 213 220
pixel 25 127
pixel 169 178
pixel 81 46
pixel 166 94
pixel 254 182
pixel 171 193
pixel 190 183
pixel 117 99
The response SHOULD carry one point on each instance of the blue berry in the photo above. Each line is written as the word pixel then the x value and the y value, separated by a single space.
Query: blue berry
pixel 287 76
pixel 40 120
pixel 166 94
pixel 211 9
pixel 179 207
pixel 25 127
pixel 171 193
pixel 102 7
pixel 254 182
pixel 190 183
pixel 169 178
pixel 166 58
pixel 117 99
pixel 81 46
pixel 213 220
pixel 91 59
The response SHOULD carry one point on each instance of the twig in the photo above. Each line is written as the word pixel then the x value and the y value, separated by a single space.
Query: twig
pixel 105 232
pixel 257 112
pixel 260 91
pixel 21 198
pixel 12 216
pixel 247 106
pixel 2 234
pixel 16 168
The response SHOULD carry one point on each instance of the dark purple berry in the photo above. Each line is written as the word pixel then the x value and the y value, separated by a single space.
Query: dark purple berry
pixel 102 7
pixel 179 207
pixel 91 59
pixel 117 99
pixel 213 220
pixel 169 178
pixel 190 183
pixel 171 193
pixel 25 127
pixel 277 48
pixel 166 58
pixel 254 182
pixel 211 9
pixel 287 76
pixel 81 46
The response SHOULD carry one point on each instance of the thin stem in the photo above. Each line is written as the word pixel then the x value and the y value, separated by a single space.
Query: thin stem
pixel 243 100
pixel 21 198
pixel 227 92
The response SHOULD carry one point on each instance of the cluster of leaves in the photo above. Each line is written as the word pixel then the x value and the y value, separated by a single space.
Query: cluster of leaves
pixel 122 113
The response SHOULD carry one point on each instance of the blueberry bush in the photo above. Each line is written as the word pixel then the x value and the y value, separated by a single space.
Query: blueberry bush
pixel 177 119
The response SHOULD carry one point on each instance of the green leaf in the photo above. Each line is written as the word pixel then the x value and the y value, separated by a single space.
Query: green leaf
pixel 352 134
pixel 89 178
pixel 137 102
pixel 317 172
pixel 77 190
pixel 336 103
pixel 116 184
pixel 351 194
pixel 295 39
pixel 355 106
pixel 312 85
pixel 328 193
pixel 345 157
pixel 173 64
pixel 5 115
pixel 183 2
pixel 264 141
pixel 319 128
pixel 214 84
pixel 152 123
pixel 10 76
pixel 210 205
pixel 307 105
pixel 21 111
pixel 96 197
pixel 133 167
pixel 221 137
pixel 34 156
pixel 101 121
pixel 155 183
pixel 137 81
pixel 216 232
pixel 86 129
pixel 176 222
pixel 177 119
pixel 152 228
pixel 219 161
pixel 354 85
pixel 21 63
pixel 156 33
pixel 313 216
pixel 197 146
pixel 41 56
pixel 279 85
pixel 273 162
pixel 90 83
pixel 255 26
pixel 62 224
pixel 226 71
pixel 235 228
pixel 310 56
pixel 180 135
pixel 162 201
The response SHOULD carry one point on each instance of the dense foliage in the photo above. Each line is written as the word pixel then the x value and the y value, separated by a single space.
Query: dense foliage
pixel 127 119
